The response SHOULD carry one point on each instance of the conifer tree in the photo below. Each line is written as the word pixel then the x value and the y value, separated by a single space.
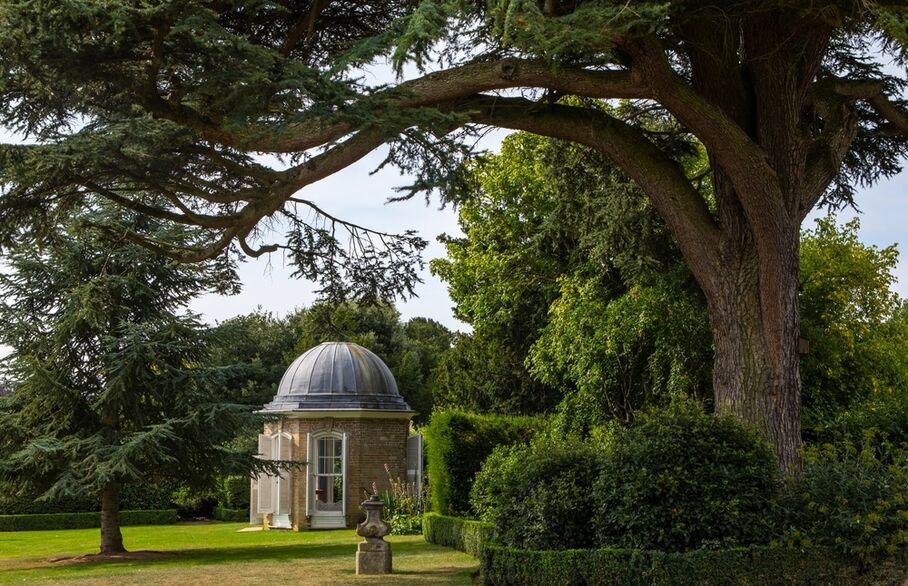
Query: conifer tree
pixel 110 384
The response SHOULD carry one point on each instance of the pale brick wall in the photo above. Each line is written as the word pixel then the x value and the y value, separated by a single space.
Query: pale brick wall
pixel 371 444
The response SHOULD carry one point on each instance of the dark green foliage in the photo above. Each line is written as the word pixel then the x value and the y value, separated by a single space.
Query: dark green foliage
pixel 233 492
pixel 555 237
pixel 235 515
pixel 109 371
pixel 850 497
pixel 483 375
pixel 622 354
pixel 540 496
pixel 258 346
pixel 192 504
pixel 752 566
pixel 26 504
pixel 425 343
pixel 83 520
pixel 885 413
pixel 229 58
pixel 462 534
pixel 680 479
pixel 136 497
pixel 147 496
pixel 457 443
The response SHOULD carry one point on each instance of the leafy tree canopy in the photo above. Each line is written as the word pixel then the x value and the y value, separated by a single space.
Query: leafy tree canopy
pixel 855 324
pixel 575 276
pixel 262 345
pixel 565 266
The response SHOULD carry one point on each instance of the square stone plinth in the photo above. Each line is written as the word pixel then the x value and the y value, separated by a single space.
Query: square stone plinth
pixel 373 557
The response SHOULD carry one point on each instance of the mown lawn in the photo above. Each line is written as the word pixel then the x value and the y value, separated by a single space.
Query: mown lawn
pixel 218 553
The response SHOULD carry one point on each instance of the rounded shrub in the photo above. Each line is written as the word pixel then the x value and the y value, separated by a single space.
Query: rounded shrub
pixel 539 496
pixel 680 479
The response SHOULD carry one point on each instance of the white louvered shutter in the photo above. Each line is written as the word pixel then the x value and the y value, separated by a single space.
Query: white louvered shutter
pixel 285 451
pixel 310 472
pixel 264 446
pixel 414 462
pixel 265 501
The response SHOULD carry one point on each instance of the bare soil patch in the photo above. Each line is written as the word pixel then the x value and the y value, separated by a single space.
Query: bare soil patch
pixel 126 556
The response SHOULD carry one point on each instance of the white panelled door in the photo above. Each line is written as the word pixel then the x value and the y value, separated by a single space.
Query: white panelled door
pixel 327 480
pixel 275 491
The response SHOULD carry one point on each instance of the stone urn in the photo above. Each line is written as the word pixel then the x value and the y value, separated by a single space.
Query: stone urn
pixel 373 556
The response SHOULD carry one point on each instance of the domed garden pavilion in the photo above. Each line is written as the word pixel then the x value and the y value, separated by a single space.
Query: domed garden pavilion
pixel 339 410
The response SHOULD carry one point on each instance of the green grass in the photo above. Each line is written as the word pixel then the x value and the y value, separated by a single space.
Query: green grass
pixel 219 554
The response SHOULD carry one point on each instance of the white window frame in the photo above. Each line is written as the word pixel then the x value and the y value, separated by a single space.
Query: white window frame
pixel 313 455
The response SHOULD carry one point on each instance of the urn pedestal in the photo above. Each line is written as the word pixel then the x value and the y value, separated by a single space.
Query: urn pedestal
pixel 373 556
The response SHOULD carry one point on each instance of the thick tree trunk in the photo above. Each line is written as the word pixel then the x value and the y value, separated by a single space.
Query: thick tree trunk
pixel 755 324
pixel 111 537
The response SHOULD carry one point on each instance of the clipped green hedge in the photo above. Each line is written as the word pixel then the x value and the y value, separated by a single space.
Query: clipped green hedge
pixel 225 514
pixel 133 497
pixel 457 443
pixel 751 566
pixel 463 534
pixel 84 520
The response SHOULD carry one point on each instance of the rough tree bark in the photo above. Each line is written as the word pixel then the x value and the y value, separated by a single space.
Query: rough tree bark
pixel 111 536
pixel 756 367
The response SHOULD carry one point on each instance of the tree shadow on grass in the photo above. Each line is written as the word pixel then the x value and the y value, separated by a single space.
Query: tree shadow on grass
pixel 226 555
pixel 331 553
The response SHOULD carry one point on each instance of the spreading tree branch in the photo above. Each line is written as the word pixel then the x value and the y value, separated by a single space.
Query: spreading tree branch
pixel 733 149
pixel 426 91
pixel 658 175
pixel 874 92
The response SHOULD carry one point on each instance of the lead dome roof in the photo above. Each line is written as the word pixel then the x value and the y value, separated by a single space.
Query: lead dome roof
pixel 337 376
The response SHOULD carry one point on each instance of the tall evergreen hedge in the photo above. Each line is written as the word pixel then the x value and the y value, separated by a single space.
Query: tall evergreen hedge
pixel 135 497
pixel 458 442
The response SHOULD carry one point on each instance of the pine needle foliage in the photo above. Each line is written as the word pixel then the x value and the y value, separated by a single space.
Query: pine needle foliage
pixel 108 370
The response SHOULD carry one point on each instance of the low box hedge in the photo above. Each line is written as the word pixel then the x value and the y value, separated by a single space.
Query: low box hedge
pixel 83 520
pixel 225 514
pixel 463 534
pixel 750 566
